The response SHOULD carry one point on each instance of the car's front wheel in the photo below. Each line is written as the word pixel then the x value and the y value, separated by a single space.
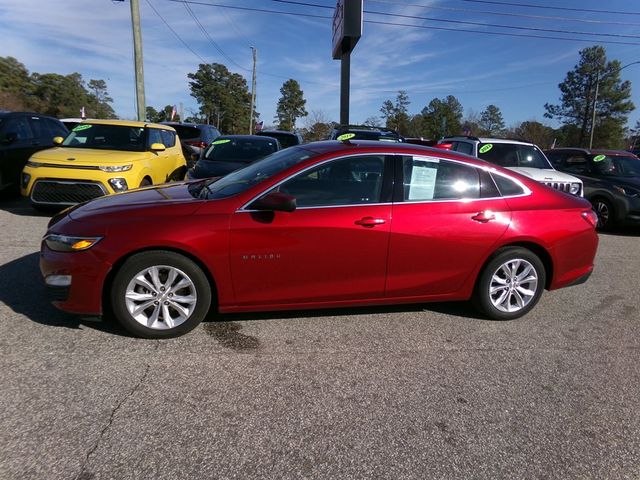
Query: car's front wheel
pixel 604 210
pixel 511 284
pixel 160 294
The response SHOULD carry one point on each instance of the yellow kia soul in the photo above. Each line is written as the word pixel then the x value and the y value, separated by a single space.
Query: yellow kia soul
pixel 100 157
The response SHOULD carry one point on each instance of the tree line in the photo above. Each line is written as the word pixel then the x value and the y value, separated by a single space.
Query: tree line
pixel 224 100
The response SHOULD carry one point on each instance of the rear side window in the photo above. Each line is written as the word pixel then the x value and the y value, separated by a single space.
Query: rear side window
pixel 507 187
pixel 18 126
pixel 462 147
pixel 168 138
pixel 435 179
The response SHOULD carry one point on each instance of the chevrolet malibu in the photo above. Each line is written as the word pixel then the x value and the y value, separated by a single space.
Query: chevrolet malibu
pixel 326 224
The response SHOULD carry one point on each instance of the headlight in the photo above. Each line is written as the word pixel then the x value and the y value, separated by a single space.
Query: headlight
pixel 628 191
pixel 116 168
pixel 576 188
pixel 64 243
pixel 118 184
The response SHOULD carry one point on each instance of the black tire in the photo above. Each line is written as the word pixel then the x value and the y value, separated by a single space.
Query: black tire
pixel 145 182
pixel 184 314
pixel 604 211
pixel 495 271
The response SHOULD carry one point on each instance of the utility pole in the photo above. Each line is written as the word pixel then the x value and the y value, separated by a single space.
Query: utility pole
pixel 137 58
pixel 254 51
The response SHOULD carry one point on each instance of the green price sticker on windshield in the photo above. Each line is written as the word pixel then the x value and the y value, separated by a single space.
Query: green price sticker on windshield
pixel 220 142
pixel 599 158
pixel 485 148
pixel 79 128
pixel 346 136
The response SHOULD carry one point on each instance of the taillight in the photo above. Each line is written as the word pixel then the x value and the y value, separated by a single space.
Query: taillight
pixel 197 143
pixel 591 217
pixel 444 146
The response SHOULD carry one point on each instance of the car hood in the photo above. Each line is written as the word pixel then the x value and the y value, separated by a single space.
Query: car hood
pixel 545 175
pixel 173 198
pixel 85 156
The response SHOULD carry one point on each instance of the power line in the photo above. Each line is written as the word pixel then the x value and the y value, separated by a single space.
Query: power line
pixel 483 32
pixel 507 14
pixel 211 40
pixel 549 7
pixel 465 22
pixel 174 32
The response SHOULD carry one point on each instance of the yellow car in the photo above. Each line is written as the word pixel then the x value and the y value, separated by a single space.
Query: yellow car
pixel 100 157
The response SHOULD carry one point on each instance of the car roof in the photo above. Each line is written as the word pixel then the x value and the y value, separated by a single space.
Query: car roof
pixel 187 124
pixel 128 123
pixel 260 138
pixel 591 151
pixel 489 140
pixel 7 113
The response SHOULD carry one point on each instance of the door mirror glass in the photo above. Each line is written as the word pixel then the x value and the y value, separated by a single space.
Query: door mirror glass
pixel 275 201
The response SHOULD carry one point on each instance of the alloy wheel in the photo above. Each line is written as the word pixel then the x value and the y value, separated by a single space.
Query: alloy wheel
pixel 513 285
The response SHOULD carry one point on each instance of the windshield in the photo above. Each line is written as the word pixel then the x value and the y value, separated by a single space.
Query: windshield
pixel 240 149
pixel 241 180
pixel 513 155
pixel 106 137
pixel 616 166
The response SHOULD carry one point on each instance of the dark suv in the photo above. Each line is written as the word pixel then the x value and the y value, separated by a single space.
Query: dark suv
pixel 21 135
pixel 196 135
pixel 365 132
pixel 286 139
pixel 611 181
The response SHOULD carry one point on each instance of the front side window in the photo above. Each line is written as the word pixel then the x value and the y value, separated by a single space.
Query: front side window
pixel 347 181
pixel 430 178
pixel 154 135
pixel 106 137
pixel 513 155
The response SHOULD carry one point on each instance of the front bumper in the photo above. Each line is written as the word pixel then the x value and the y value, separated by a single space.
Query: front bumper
pixel 83 294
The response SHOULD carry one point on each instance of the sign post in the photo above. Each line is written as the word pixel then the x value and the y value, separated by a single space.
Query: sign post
pixel 347 30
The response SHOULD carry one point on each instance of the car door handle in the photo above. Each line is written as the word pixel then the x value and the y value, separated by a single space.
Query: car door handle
pixel 484 217
pixel 370 221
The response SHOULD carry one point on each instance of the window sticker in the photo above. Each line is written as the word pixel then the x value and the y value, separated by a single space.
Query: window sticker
pixel 599 158
pixel 220 142
pixel 423 181
pixel 79 128
pixel 485 148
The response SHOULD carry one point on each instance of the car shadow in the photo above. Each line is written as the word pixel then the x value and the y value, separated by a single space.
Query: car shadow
pixel 632 231
pixel 457 309
pixel 20 206
pixel 23 291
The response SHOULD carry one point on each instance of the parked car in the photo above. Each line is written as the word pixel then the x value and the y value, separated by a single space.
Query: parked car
pixel 286 139
pixel 519 156
pixel 231 152
pixel 365 132
pixel 198 136
pixel 21 135
pixel 100 157
pixel 311 226
pixel 611 181
pixel 421 141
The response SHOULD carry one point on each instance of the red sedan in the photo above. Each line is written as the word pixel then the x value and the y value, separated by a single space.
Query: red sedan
pixel 325 224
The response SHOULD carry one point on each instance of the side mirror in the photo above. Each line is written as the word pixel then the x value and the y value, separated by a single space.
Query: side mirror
pixel 58 140
pixel 157 147
pixel 276 202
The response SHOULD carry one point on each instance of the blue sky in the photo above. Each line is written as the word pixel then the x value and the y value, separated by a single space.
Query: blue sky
pixel 93 37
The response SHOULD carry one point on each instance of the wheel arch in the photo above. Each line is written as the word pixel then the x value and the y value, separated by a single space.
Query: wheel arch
pixel 541 252
pixel 106 286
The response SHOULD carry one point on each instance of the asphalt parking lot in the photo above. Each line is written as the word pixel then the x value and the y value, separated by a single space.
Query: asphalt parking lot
pixel 429 391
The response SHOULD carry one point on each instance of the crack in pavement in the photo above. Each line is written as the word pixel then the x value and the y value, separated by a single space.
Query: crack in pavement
pixel 82 475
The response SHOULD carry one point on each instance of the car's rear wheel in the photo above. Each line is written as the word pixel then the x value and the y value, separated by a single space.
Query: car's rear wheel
pixel 510 284
pixel 604 211
pixel 160 294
